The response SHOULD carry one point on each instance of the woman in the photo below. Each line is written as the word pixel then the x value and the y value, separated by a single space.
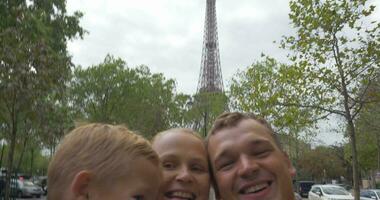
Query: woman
pixel 184 164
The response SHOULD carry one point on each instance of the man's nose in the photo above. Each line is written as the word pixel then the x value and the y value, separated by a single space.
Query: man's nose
pixel 247 167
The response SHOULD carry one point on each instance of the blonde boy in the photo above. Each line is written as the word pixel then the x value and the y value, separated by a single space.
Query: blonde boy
pixel 100 161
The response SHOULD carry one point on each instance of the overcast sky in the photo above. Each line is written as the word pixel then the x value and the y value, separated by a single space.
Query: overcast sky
pixel 166 35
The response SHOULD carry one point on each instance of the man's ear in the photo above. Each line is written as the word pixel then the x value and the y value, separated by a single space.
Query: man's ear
pixel 80 185
pixel 289 164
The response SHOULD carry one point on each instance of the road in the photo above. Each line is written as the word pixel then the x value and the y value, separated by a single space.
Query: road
pixel 42 198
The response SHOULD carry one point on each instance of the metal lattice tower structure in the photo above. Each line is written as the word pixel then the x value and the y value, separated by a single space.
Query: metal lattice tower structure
pixel 210 77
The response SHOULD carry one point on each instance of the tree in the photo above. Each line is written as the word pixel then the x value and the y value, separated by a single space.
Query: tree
pixel 205 108
pixel 337 50
pixel 113 93
pixel 322 164
pixel 368 132
pixel 54 118
pixel 369 137
pixel 259 89
pixel 33 59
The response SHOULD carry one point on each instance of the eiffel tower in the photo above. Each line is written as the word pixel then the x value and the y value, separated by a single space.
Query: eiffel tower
pixel 210 92
pixel 210 77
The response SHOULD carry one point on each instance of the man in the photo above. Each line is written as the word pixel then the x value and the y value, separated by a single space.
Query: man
pixel 247 160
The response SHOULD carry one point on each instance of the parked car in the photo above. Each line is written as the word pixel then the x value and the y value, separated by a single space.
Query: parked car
pixel 42 182
pixel 303 187
pixel 327 192
pixel 373 194
pixel 25 188
pixel 345 186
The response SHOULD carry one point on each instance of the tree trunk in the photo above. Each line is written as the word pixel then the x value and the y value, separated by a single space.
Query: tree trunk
pixel 10 158
pixel 378 151
pixel 297 155
pixel 2 154
pixel 31 161
pixel 22 154
pixel 355 166
pixel 350 121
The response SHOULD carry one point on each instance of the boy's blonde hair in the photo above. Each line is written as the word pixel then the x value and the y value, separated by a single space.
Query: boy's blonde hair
pixel 104 150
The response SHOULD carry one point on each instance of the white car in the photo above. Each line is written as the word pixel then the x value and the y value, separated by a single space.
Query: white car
pixel 329 192
pixel 370 194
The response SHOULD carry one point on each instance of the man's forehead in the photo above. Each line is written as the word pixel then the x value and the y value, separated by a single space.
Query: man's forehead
pixel 244 126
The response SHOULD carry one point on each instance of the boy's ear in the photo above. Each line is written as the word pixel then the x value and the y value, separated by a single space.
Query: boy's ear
pixel 80 185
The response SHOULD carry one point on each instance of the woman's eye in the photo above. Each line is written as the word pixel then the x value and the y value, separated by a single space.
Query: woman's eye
pixel 137 197
pixel 168 165
pixel 198 168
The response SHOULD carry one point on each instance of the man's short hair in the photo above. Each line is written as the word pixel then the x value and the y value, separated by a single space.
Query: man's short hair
pixel 104 150
pixel 232 119
pixel 229 120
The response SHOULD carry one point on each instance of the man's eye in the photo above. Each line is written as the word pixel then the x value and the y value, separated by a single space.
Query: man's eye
pixel 225 166
pixel 262 154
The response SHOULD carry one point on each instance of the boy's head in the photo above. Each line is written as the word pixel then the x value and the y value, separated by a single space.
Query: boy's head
pixel 99 161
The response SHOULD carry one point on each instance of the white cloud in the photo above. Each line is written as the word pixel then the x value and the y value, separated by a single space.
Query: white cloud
pixel 167 35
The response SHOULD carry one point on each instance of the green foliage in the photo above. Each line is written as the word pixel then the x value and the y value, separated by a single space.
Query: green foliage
pixel 322 164
pixel 113 93
pixel 337 50
pixel 54 119
pixel 35 164
pixel 33 60
pixel 368 130
pixel 180 116
pixel 264 88
pixel 206 107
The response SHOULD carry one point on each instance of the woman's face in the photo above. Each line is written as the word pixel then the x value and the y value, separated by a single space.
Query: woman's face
pixel 183 160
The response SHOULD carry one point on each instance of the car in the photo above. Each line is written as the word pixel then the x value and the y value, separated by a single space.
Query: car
pixel 370 194
pixel 25 188
pixel 42 182
pixel 345 186
pixel 327 192
pixel 303 187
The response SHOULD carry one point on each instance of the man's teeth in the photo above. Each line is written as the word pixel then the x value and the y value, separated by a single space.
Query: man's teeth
pixel 185 195
pixel 255 188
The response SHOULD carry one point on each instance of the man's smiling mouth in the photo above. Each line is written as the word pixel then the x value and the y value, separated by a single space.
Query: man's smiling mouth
pixel 255 188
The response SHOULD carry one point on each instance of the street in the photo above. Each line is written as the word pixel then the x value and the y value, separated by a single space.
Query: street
pixel 42 198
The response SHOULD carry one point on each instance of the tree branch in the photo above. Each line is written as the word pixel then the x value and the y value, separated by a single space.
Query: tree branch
pixel 359 73
pixel 338 112
pixel 361 100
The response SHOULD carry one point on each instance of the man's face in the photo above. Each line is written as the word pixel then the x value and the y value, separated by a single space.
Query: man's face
pixel 248 165
pixel 185 169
